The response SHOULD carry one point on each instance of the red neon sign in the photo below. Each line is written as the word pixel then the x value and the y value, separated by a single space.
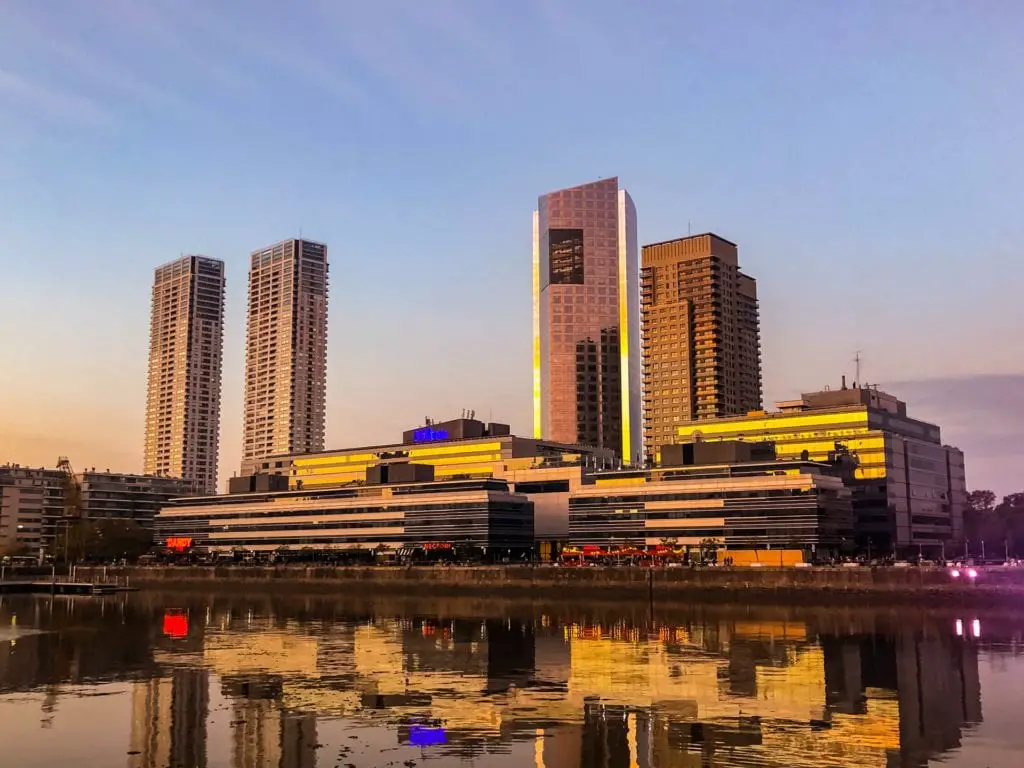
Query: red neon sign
pixel 179 543
pixel 175 625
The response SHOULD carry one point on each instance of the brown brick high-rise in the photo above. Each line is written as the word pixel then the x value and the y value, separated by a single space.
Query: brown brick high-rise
pixel 701 340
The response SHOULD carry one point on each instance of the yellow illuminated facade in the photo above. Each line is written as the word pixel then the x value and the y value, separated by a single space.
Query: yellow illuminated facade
pixel 490 457
pixel 810 431
pixel 909 489
pixel 795 506
pixel 537 419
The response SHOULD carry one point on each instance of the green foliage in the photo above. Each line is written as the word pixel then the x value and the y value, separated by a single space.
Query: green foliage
pixel 15 550
pixel 708 550
pixel 86 540
pixel 1000 526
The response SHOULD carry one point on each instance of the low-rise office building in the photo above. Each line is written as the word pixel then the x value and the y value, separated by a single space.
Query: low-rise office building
pixel 909 489
pixel 31 501
pixel 382 513
pixel 748 503
pixel 35 501
pixel 120 496
pixel 463 449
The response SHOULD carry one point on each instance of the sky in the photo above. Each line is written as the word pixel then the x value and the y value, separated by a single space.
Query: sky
pixel 865 156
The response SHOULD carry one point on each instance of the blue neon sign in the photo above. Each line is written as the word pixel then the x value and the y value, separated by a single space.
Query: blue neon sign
pixel 429 434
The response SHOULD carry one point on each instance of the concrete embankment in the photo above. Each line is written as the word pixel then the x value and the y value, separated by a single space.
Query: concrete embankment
pixel 821 586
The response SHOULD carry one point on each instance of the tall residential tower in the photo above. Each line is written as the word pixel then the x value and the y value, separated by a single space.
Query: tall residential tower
pixel 701 338
pixel 185 350
pixel 286 351
pixel 586 353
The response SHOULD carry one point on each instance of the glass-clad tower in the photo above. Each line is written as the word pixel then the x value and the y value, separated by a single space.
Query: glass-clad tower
pixel 586 328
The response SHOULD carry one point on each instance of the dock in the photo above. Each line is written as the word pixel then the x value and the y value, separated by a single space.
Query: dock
pixel 57 588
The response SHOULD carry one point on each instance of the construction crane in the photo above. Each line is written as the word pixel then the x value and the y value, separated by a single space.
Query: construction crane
pixel 72 499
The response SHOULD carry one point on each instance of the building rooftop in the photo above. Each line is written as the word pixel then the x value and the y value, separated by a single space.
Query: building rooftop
pixel 426 443
pixel 691 237
pixel 349 490
pixel 706 471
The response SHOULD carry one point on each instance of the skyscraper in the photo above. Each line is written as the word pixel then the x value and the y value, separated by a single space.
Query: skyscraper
pixel 286 351
pixel 586 354
pixel 701 337
pixel 185 350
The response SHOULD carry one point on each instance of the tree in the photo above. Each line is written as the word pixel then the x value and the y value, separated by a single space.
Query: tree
pixel 981 501
pixel 1000 526
pixel 708 550
pixel 101 540
pixel 13 549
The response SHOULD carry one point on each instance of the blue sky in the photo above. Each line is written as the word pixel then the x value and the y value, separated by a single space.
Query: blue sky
pixel 865 156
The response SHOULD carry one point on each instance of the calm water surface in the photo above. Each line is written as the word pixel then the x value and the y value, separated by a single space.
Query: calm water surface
pixel 204 681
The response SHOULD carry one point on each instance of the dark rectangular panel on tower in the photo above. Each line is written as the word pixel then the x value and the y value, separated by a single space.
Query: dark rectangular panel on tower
pixel 566 256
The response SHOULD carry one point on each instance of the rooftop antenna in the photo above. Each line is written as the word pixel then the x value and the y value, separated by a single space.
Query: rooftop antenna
pixel 856 360
pixel 689 227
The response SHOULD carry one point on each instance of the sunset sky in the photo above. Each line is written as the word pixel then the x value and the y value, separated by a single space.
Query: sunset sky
pixel 865 156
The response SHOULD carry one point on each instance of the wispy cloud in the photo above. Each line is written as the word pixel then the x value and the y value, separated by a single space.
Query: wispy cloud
pixel 310 64
pixel 51 103
pixel 375 39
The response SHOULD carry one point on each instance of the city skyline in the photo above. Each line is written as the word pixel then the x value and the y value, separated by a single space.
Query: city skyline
pixel 861 160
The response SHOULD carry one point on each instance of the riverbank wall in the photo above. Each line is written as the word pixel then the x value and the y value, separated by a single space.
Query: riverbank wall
pixel 819 586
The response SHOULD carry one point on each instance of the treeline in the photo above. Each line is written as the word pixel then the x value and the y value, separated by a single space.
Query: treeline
pixel 999 524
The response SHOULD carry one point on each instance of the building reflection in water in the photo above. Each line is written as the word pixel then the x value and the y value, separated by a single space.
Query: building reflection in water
pixel 709 692
pixel 169 720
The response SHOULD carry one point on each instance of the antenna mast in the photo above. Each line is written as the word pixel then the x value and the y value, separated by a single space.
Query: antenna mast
pixel 856 360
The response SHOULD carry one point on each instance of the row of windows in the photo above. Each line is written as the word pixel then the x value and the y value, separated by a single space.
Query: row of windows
pixel 274 513
pixel 693 496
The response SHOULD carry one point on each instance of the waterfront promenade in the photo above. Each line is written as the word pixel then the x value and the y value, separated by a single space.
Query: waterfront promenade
pixel 813 586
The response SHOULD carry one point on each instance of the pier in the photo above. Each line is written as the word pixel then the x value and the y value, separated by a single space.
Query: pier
pixel 49 581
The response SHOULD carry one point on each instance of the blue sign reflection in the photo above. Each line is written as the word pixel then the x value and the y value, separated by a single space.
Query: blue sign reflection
pixel 422 736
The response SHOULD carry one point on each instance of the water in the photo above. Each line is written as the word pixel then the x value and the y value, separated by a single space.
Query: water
pixel 154 680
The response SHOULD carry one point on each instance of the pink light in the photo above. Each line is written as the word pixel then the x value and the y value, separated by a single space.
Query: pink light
pixel 955 573
pixel 976 628
pixel 971 573
pixel 959 628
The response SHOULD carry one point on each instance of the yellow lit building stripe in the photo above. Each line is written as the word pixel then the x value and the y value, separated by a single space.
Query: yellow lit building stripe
pixel 685 522
pixel 624 288
pixel 615 481
pixel 537 426
pixel 751 426
pixel 685 504
pixel 334 460
pixel 449 450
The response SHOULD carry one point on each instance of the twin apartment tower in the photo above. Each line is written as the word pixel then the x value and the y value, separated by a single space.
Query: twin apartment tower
pixel 285 360
pixel 624 348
